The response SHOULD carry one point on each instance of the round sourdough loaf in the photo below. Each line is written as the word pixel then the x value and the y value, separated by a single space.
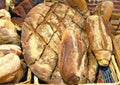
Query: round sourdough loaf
pixel 41 34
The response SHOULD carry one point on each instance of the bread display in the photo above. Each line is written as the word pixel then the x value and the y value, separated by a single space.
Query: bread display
pixel 58 42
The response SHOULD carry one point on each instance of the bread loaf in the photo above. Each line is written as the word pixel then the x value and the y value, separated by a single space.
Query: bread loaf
pixel 41 34
pixel 92 67
pixel 104 9
pixel 11 68
pixel 72 57
pixel 80 6
pixel 8 33
pixel 9 64
pixel 9 48
pixel 4 15
pixel 99 38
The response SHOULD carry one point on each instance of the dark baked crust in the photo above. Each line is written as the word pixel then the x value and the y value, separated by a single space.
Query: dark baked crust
pixel 22 8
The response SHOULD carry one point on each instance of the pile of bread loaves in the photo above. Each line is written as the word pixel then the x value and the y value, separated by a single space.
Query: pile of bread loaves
pixel 11 67
pixel 61 43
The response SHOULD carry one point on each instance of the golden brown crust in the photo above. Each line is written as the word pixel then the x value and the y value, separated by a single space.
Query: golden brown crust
pixel 4 15
pixel 7 78
pixel 8 33
pixel 71 51
pixel 14 77
pixel 104 9
pixel 9 48
pixel 80 6
pixel 9 64
pixel 92 67
pixel 100 41
pixel 11 68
